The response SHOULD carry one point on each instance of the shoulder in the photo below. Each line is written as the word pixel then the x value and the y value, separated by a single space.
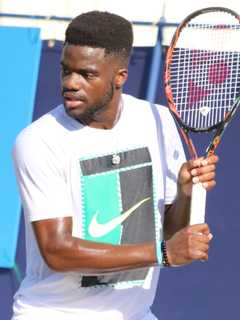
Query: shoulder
pixel 165 118
pixel 44 126
pixel 151 111
pixel 134 102
pixel 38 134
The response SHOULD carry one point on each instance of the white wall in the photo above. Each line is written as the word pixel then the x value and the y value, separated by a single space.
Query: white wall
pixel 134 10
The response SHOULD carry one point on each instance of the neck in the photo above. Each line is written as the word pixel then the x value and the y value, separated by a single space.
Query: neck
pixel 107 117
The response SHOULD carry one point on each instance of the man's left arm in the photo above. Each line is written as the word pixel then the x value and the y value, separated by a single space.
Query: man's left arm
pixel 187 243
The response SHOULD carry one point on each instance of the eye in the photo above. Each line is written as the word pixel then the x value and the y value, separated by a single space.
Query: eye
pixel 65 71
pixel 88 75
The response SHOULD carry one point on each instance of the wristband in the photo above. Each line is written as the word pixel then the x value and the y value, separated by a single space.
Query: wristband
pixel 161 253
pixel 165 261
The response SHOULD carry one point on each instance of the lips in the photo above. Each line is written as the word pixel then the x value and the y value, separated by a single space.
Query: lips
pixel 72 100
pixel 73 96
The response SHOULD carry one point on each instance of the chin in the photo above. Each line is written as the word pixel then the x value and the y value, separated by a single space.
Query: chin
pixel 74 113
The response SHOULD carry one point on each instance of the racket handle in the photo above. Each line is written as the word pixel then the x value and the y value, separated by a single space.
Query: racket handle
pixel 198 204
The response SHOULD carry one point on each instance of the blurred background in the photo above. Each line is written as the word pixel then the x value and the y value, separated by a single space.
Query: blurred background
pixel 31 35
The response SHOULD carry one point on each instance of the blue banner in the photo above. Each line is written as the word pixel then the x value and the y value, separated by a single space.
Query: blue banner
pixel 19 64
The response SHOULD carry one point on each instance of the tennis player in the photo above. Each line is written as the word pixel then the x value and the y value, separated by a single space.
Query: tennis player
pixel 105 188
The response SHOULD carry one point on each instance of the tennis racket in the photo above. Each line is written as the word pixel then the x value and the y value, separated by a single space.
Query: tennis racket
pixel 202 82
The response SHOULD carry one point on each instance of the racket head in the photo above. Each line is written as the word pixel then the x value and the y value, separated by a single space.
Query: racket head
pixel 202 69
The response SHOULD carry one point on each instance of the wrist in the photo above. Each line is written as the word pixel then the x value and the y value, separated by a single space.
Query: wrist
pixel 165 260
pixel 161 253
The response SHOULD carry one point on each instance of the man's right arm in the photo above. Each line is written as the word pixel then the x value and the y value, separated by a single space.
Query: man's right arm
pixel 63 252
pixel 47 206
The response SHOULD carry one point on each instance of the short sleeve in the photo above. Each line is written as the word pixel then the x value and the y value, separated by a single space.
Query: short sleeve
pixel 40 177
pixel 174 155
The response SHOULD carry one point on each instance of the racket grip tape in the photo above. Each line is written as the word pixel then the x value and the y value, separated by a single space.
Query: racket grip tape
pixel 198 204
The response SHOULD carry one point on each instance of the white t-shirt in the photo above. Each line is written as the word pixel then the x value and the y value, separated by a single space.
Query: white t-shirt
pixel 113 183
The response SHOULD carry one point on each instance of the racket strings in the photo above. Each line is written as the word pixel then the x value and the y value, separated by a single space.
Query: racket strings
pixel 204 73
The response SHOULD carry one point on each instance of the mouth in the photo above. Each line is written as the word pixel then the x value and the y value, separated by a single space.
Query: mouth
pixel 72 101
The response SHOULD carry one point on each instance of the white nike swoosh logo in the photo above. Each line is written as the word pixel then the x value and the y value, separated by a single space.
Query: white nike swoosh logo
pixel 98 230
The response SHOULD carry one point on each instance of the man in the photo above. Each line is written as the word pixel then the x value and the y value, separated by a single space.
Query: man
pixel 98 175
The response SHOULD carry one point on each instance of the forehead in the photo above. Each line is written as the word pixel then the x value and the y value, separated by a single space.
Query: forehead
pixel 78 56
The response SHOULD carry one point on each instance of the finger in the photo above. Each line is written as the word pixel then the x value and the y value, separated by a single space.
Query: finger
pixel 197 254
pixel 207 234
pixel 198 228
pixel 196 238
pixel 200 238
pixel 208 178
pixel 205 177
pixel 195 163
pixel 197 245
pixel 202 162
pixel 203 256
pixel 210 236
pixel 201 247
pixel 203 170
pixel 209 184
pixel 213 159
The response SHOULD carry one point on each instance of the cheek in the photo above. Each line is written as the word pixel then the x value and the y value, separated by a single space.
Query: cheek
pixel 97 89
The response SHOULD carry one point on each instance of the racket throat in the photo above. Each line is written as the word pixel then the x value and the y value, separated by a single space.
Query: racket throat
pixel 216 140
pixel 191 148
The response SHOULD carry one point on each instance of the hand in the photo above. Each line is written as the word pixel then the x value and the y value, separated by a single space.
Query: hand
pixel 197 170
pixel 189 244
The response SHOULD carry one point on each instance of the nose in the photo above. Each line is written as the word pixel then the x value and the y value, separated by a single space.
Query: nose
pixel 72 82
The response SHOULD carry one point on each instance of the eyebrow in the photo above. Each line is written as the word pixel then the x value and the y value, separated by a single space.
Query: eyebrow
pixel 81 70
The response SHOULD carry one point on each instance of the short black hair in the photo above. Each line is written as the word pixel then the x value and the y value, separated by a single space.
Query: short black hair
pixel 100 29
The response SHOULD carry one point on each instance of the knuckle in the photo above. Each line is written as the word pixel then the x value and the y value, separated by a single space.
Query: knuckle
pixel 188 231
pixel 206 248
pixel 211 184
pixel 190 253
pixel 213 167
pixel 205 226
pixel 213 158
pixel 213 174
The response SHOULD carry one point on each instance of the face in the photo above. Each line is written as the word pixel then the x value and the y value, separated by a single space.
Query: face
pixel 89 81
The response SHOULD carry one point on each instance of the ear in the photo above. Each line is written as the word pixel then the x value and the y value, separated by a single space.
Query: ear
pixel 121 78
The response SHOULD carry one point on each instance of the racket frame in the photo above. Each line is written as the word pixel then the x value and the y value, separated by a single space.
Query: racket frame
pixel 184 129
pixel 198 199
